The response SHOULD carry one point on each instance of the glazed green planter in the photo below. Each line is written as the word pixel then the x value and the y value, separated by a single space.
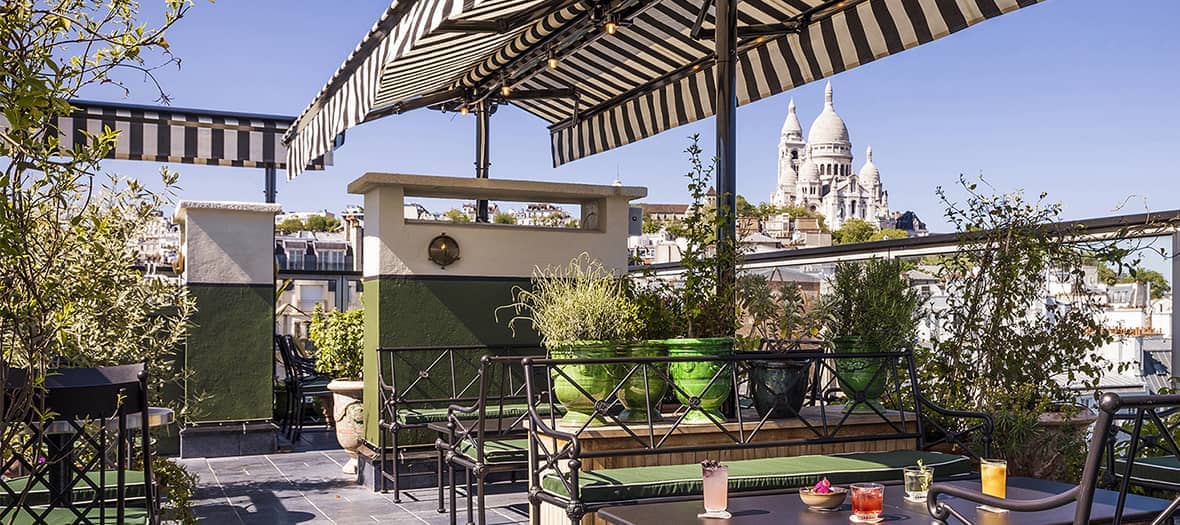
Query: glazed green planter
pixel 641 401
pixel 858 377
pixel 596 380
pixel 693 378
pixel 779 387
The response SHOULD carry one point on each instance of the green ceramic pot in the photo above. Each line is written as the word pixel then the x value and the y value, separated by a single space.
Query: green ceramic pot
pixel 596 380
pixel 858 377
pixel 640 402
pixel 693 378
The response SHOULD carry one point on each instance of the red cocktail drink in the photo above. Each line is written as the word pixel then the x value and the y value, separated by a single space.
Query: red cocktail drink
pixel 867 500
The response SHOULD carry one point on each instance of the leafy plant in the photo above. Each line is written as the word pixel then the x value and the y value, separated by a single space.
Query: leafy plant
pixel 999 345
pixel 773 312
pixel 339 342
pixel 179 485
pixel 657 310
pixel 707 300
pixel 873 301
pixel 581 301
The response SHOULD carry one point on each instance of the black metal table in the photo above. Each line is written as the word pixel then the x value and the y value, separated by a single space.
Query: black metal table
pixel 788 508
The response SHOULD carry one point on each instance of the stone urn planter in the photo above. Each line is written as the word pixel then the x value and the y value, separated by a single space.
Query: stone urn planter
pixel 858 377
pixel 640 400
pixel 693 378
pixel 349 414
pixel 779 387
pixel 595 380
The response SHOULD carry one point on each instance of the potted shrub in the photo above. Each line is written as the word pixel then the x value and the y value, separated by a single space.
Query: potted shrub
pixel 581 311
pixel 339 340
pixel 778 388
pixel 656 311
pixel 707 319
pixel 871 308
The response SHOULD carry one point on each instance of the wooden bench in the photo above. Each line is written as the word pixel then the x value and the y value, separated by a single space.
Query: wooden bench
pixel 570 479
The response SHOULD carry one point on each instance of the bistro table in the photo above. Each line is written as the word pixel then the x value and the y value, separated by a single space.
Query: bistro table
pixel 788 508
pixel 60 439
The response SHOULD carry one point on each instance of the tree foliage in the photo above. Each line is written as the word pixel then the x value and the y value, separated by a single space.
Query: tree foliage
pixel 889 233
pixel 455 215
pixel 69 295
pixel 853 231
pixel 503 218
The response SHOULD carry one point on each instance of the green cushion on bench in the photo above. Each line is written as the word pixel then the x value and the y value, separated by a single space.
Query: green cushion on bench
pixel 39 493
pixel 422 416
pixel 782 473
pixel 1160 469
pixel 68 517
pixel 499 451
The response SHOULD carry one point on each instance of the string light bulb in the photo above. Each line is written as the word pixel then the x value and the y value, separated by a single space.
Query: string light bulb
pixel 552 60
pixel 505 90
pixel 463 110
pixel 611 26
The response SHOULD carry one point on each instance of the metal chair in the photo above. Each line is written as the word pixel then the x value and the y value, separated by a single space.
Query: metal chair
pixel 1143 407
pixel 78 450
pixel 480 442
pixel 302 381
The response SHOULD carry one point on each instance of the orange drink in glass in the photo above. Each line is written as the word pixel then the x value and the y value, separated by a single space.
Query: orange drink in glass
pixel 994 477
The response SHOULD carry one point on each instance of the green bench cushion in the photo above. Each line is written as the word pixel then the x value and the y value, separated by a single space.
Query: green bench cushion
pixel 499 451
pixel 422 416
pixel 781 473
pixel 39 493
pixel 131 516
pixel 1160 469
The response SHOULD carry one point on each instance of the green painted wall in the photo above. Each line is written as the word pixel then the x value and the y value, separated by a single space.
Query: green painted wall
pixel 409 311
pixel 230 352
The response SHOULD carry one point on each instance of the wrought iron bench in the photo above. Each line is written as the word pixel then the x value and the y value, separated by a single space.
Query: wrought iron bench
pixel 416 387
pixel 654 462
pixel 1112 409
pixel 481 443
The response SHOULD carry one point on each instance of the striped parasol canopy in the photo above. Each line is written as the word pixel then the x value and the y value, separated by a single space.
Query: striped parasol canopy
pixel 606 73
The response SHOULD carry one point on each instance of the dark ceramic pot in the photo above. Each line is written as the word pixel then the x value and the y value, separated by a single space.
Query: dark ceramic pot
pixel 595 379
pixel 640 400
pixel 859 378
pixel 693 378
pixel 779 387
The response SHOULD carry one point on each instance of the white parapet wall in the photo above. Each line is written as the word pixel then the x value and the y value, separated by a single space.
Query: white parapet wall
pixel 221 241
pixel 395 245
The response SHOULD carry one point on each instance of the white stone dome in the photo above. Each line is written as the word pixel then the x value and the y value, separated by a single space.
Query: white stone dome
pixel 792 129
pixel 869 172
pixel 808 173
pixel 828 127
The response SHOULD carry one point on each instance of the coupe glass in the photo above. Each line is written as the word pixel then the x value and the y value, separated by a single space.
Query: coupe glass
pixel 867 501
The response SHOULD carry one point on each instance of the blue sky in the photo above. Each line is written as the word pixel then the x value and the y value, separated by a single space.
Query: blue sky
pixel 1073 97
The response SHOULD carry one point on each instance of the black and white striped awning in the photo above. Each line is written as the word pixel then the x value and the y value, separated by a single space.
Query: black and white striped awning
pixel 187 136
pixel 654 74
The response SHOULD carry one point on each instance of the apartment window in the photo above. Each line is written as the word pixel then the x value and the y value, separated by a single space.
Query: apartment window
pixel 295 258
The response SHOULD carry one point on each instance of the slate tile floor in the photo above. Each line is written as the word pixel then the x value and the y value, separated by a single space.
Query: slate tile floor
pixel 303 484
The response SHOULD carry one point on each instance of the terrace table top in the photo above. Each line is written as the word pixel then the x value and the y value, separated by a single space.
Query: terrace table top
pixel 788 508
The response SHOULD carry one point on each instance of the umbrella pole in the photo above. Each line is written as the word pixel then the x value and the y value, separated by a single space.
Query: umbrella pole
pixel 725 43
pixel 269 190
pixel 482 155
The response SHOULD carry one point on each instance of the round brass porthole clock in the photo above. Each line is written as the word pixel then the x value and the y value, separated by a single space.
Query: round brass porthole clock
pixel 443 250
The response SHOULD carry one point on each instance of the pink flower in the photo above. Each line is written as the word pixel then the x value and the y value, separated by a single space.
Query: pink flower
pixel 823 487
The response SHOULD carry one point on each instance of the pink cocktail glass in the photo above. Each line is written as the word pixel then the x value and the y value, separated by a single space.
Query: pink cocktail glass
pixel 867 500
pixel 716 481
